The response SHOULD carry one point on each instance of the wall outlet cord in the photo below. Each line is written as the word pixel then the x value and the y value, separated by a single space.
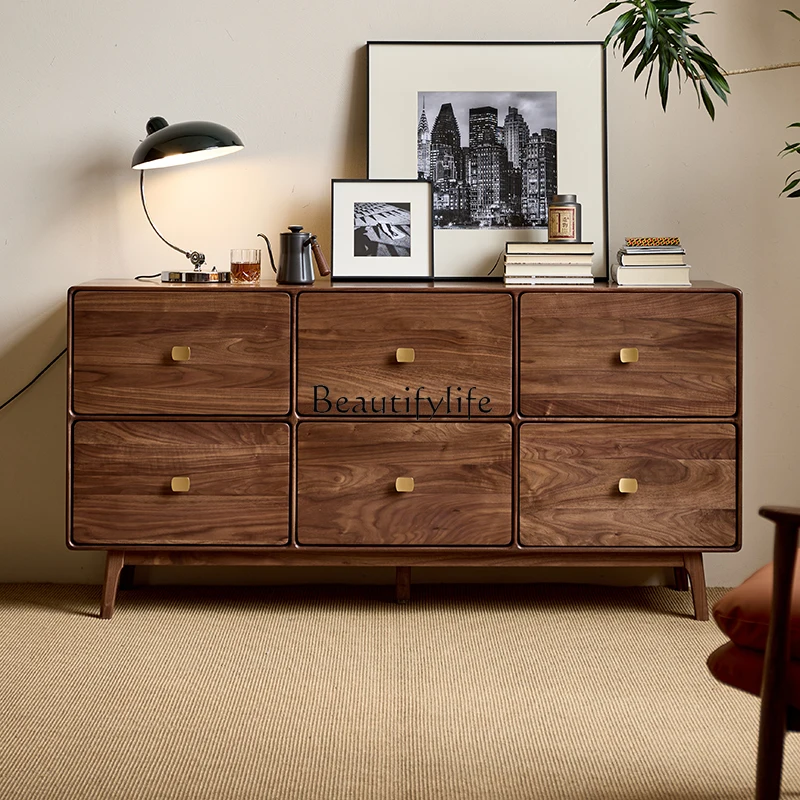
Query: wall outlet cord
pixel 30 383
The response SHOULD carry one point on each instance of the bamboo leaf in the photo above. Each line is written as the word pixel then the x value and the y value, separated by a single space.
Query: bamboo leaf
pixel 649 77
pixel 719 85
pixel 707 102
pixel 790 186
pixel 609 7
pixel 650 14
pixel 790 13
pixel 635 53
pixel 657 32
pixel 620 23
pixel 663 81
pixel 640 69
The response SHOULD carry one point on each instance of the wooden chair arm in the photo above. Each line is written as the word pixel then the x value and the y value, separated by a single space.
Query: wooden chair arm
pixel 774 691
pixel 781 515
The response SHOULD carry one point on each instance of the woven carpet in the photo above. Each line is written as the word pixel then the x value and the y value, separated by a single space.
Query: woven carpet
pixel 477 691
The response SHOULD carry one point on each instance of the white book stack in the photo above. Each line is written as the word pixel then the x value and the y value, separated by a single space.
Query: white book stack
pixel 548 264
pixel 651 265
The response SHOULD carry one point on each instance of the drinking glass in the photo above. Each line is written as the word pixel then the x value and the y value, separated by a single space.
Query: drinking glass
pixel 245 266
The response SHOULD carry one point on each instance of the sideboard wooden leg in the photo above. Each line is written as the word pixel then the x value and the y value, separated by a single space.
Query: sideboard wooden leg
pixel 680 577
pixel 127 576
pixel 402 584
pixel 115 561
pixel 693 562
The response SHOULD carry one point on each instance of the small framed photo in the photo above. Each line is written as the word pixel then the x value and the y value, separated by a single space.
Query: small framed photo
pixel 382 229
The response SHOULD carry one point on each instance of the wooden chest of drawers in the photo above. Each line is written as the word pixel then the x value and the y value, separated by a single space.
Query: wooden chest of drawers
pixel 406 425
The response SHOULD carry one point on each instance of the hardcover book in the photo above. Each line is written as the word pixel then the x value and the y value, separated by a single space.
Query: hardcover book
pixel 650 276
pixel 538 248
pixel 651 259
pixel 556 258
pixel 552 270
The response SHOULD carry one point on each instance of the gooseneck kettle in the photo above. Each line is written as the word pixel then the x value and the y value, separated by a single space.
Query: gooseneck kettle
pixel 294 262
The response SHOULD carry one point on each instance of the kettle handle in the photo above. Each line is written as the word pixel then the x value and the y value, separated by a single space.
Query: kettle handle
pixel 319 257
pixel 269 248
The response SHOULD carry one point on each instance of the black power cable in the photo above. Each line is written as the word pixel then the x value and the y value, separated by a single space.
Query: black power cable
pixel 30 383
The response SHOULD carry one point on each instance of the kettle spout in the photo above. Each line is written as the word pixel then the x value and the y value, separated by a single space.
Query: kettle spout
pixel 269 250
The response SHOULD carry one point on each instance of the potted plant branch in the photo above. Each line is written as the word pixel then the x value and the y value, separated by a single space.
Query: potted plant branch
pixel 657 36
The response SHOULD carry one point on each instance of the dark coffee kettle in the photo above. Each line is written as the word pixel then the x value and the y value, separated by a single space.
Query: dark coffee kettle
pixel 294 263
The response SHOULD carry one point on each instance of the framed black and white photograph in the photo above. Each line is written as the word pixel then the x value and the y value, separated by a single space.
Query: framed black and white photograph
pixel 381 229
pixel 497 128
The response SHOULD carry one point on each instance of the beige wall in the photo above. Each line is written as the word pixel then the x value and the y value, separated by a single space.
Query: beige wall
pixel 78 80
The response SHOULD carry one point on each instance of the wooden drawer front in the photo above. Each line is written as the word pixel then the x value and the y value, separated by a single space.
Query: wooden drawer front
pixel 570 495
pixel 348 362
pixel 122 348
pixel 347 492
pixel 122 483
pixel 570 347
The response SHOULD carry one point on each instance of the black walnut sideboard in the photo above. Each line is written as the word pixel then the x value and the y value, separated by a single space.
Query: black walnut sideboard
pixel 407 424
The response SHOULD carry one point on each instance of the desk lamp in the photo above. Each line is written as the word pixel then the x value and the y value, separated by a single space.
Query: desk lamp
pixel 183 143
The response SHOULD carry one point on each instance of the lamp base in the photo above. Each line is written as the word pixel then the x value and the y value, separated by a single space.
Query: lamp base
pixel 195 276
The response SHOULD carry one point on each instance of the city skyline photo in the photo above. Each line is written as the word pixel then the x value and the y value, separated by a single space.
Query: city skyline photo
pixel 490 156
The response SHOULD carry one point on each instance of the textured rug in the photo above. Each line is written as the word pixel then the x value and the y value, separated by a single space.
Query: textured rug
pixel 477 691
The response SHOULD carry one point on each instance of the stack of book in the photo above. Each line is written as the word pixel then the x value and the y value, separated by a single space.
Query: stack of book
pixel 652 261
pixel 548 263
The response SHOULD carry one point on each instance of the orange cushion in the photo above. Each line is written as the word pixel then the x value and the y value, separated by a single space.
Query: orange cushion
pixel 743 613
pixel 742 668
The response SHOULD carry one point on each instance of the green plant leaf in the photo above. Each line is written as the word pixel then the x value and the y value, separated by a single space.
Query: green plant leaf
pixel 707 101
pixel 663 79
pixel 620 23
pixel 651 16
pixel 609 7
pixel 657 32
pixel 790 13
pixel 790 186
pixel 635 53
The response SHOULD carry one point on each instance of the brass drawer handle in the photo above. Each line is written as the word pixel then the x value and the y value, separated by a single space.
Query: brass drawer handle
pixel 181 484
pixel 628 485
pixel 181 353
pixel 629 355
pixel 405 355
pixel 404 484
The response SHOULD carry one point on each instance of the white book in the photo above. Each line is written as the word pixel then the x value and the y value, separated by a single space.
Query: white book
pixel 650 276
pixel 550 270
pixel 538 248
pixel 538 280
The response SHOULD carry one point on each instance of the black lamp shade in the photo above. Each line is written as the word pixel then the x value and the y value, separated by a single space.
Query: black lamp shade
pixel 183 143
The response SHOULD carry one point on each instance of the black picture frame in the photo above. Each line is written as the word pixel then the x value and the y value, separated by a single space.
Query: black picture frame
pixel 399 71
pixel 381 229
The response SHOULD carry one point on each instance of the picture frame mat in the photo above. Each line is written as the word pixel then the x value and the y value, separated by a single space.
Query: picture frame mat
pixel 574 70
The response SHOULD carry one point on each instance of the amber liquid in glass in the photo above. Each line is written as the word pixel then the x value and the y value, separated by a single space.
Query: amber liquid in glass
pixel 245 272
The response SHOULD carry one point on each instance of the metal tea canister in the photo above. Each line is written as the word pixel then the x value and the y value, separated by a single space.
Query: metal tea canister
pixel 564 219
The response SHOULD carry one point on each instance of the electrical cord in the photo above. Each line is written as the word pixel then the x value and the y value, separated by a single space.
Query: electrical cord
pixel 495 265
pixel 30 383
pixel 142 277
